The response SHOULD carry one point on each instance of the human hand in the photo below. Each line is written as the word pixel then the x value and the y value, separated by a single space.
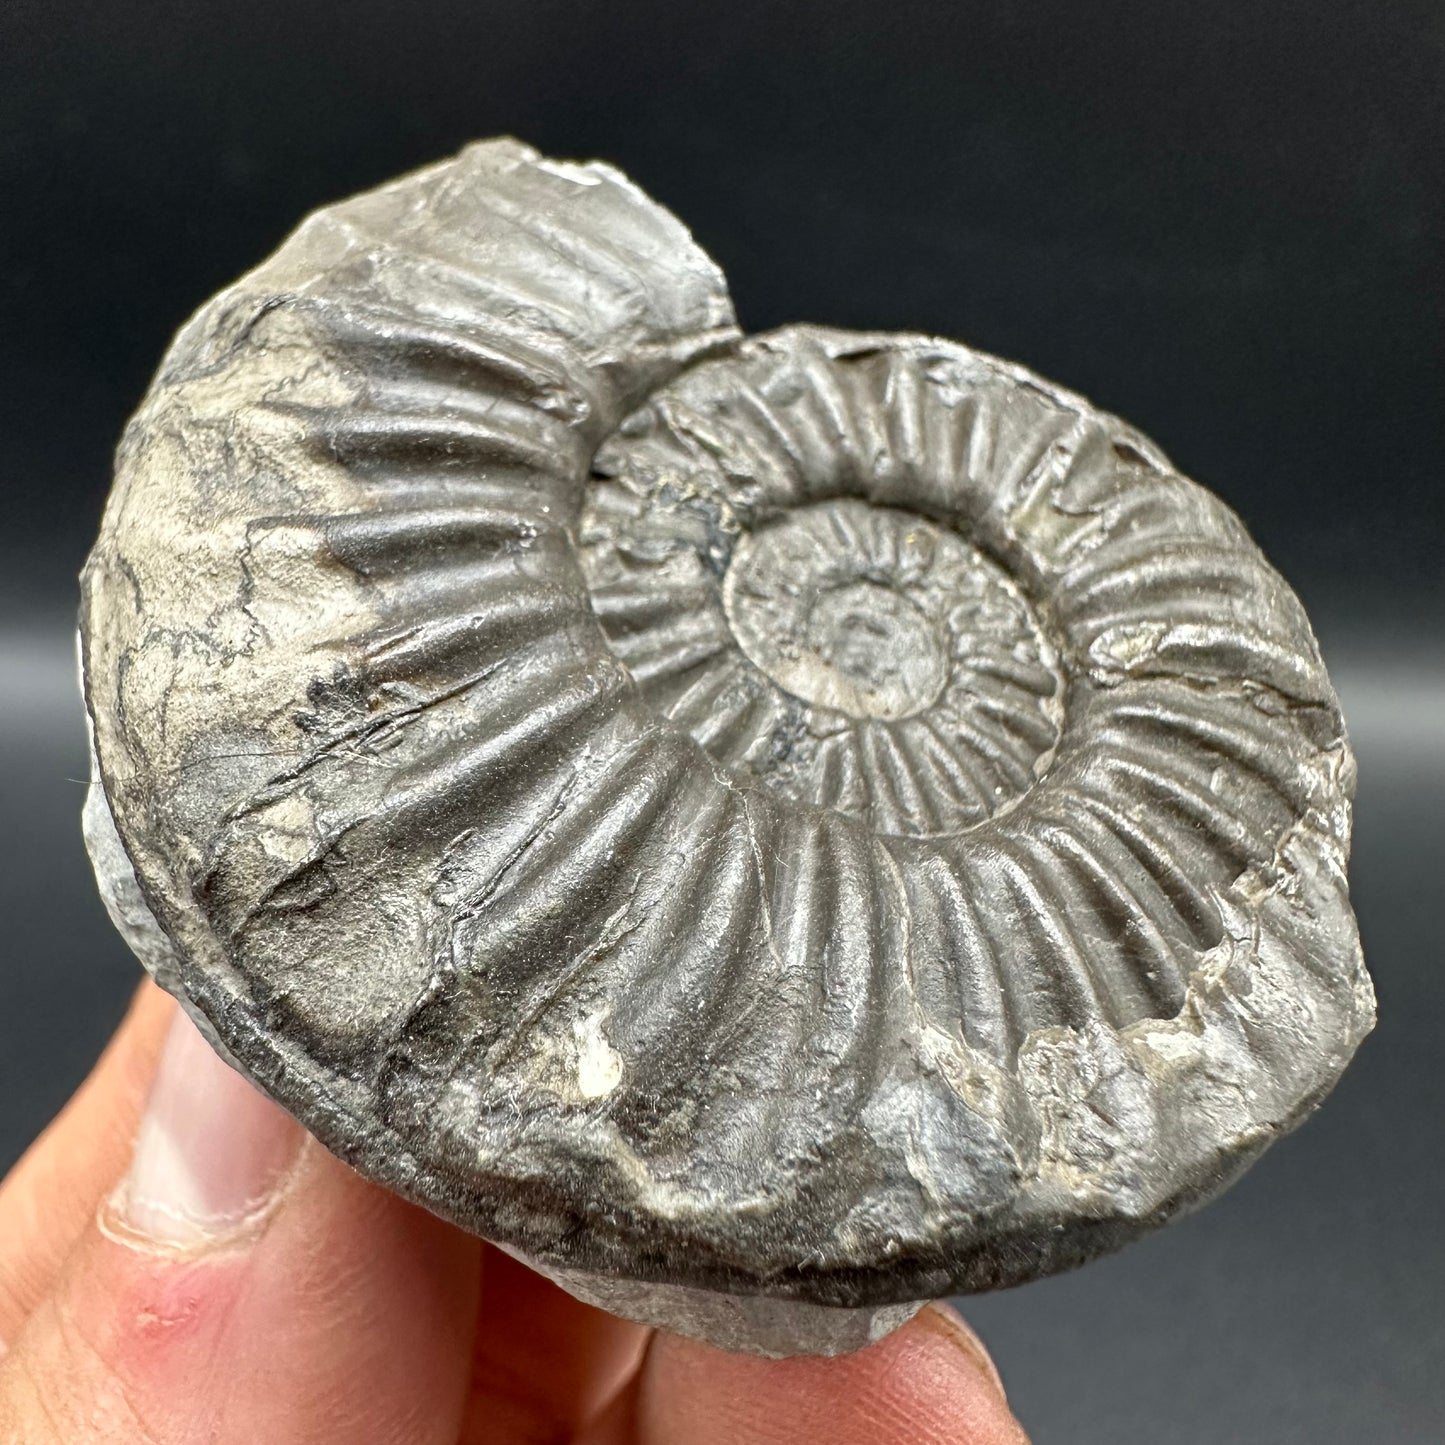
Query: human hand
pixel 242 1285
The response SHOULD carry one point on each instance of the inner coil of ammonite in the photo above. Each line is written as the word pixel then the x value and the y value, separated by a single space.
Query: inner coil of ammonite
pixel 862 657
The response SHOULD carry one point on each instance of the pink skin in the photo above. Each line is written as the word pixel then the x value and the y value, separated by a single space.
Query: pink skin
pixel 239 1284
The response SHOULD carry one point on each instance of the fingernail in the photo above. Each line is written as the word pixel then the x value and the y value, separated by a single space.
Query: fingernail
pixel 943 1319
pixel 211 1152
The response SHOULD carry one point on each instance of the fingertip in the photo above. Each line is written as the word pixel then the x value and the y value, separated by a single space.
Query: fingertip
pixel 927 1383
pixel 545 1364
pixel 341 1314
pixel 243 1284
pixel 49 1198
pixel 941 1316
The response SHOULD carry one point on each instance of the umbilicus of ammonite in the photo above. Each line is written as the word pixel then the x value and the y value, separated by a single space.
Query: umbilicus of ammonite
pixel 770 830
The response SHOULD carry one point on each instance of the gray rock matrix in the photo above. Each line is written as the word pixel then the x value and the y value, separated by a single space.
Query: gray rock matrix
pixel 769 830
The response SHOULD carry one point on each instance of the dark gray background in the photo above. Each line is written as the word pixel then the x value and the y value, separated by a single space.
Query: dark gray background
pixel 1222 222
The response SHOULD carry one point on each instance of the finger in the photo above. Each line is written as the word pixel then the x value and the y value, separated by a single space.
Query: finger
pixel 545 1363
pixel 928 1383
pixel 243 1285
pixel 51 1195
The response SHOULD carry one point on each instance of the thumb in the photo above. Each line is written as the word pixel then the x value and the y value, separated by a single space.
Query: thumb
pixel 241 1285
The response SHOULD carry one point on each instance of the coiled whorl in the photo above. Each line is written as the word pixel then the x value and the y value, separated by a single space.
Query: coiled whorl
pixel 823 816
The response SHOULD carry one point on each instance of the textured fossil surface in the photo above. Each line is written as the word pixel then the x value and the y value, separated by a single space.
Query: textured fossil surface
pixel 770 830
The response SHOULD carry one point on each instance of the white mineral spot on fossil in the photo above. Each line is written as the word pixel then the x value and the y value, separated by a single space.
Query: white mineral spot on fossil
pixel 287 828
pixel 599 1065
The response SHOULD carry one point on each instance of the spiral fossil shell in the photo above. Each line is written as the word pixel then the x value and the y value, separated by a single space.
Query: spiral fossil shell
pixel 769 829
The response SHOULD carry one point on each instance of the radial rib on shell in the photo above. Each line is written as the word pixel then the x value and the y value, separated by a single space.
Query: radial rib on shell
pixel 822 816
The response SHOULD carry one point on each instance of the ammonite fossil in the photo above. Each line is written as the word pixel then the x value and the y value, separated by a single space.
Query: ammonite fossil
pixel 771 830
